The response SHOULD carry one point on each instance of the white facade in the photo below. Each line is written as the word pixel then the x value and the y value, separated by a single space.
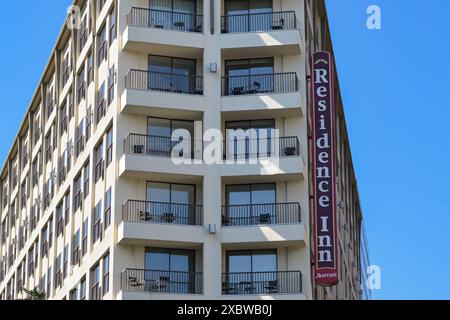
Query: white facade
pixel 208 232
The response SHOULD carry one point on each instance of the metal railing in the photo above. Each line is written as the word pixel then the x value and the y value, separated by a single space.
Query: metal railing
pixel 261 214
pixel 262 283
pixel 168 20
pixel 138 280
pixel 165 147
pixel 254 22
pixel 259 84
pixel 163 213
pixel 165 82
pixel 242 149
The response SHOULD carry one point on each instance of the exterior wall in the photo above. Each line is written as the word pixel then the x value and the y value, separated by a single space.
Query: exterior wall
pixel 125 242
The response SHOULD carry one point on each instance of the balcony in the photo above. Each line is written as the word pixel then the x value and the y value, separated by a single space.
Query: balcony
pixel 146 27
pixel 162 147
pixel 247 149
pixel 272 94
pixel 258 22
pixel 155 223
pixel 153 91
pixel 277 32
pixel 157 283
pixel 165 20
pixel 162 213
pixel 261 214
pixel 262 283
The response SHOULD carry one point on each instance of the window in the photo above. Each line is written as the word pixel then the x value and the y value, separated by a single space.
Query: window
pixel 31 262
pixel 76 248
pixel 63 119
pixel 249 76
pixel 37 129
pixel 81 85
pixel 112 26
pixel 106 274
pixel 60 220
pixel 95 282
pixel 44 242
pixel 50 232
pixel 73 295
pixel 49 282
pixel 24 154
pixel 35 171
pixel 88 123
pixel 80 138
pixel 249 16
pixel 85 237
pixel 65 261
pixel 101 109
pixel 58 272
pixel 108 208
pixel 109 147
pixel 78 197
pixel 250 204
pixel 90 73
pixel 101 4
pixel 163 264
pixel 99 164
pixel 86 174
pixel 48 147
pixel 172 74
pixel 247 266
pixel 83 289
pixel 67 207
pixel 97 220
pixel 111 85
pixel 160 132
pixel 102 54
pixel 23 194
pixel 262 132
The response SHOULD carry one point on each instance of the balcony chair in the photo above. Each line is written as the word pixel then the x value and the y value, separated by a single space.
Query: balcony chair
pixel 271 286
pixel 168 218
pixel 138 149
pixel 146 216
pixel 134 283
pixel 290 151
pixel 161 285
pixel 278 24
pixel 265 218
pixel 229 288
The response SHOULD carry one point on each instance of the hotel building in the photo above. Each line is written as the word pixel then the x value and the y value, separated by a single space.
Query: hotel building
pixel 93 203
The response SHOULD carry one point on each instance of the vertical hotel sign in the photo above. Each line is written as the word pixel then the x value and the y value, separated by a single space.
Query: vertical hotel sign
pixel 324 171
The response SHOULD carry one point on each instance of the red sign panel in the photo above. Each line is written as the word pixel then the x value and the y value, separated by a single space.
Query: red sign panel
pixel 324 171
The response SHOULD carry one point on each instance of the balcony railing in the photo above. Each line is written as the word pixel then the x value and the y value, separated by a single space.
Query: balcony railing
pixel 165 147
pixel 243 149
pixel 262 283
pixel 259 84
pixel 256 22
pixel 261 214
pixel 163 213
pixel 169 20
pixel 157 281
pixel 165 82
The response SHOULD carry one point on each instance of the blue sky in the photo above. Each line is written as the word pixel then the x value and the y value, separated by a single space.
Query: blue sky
pixel 397 108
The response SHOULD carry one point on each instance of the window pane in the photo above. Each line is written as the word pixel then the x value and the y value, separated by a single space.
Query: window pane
pixel 157 260
pixel 238 195
pixel 263 193
pixel 159 127
pixel 184 194
pixel 158 192
pixel 239 263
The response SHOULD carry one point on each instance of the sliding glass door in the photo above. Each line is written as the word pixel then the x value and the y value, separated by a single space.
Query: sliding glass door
pixel 171 203
pixel 161 142
pixel 249 76
pixel 173 14
pixel 171 74
pixel 251 272
pixel 251 204
pixel 258 139
pixel 170 270
pixel 248 15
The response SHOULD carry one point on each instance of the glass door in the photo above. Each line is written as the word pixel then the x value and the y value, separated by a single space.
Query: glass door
pixel 251 204
pixel 169 270
pixel 258 140
pixel 250 76
pixel 248 15
pixel 171 74
pixel 171 203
